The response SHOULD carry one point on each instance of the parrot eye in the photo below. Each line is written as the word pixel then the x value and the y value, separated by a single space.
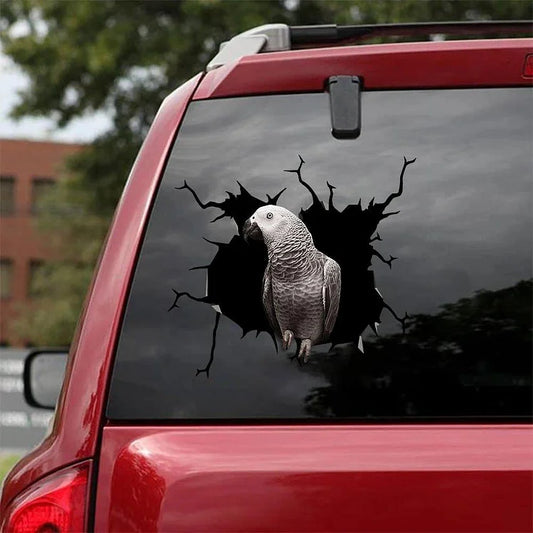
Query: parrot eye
pixel 269 215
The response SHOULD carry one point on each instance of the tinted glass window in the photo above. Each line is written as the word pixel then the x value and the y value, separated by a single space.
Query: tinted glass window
pixel 6 278
pixel 40 188
pixel 7 195
pixel 439 265
pixel 35 268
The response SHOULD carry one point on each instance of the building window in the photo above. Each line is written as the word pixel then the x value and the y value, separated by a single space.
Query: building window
pixel 40 188
pixel 36 266
pixel 7 195
pixel 6 278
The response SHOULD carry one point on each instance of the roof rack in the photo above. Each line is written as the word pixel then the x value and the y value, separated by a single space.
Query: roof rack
pixel 278 37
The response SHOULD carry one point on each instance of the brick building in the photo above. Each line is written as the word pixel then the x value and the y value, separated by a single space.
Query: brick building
pixel 27 170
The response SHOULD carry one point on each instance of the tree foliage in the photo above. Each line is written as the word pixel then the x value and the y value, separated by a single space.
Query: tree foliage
pixel 472 357
pixel 123 58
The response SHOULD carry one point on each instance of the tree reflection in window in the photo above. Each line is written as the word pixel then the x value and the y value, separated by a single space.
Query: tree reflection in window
pixel 472 357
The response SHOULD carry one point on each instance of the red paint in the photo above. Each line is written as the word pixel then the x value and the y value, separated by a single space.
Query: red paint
pixel 528 66
pixel 313 478
pixel 81 405
pixel 391 66
pixel 336 478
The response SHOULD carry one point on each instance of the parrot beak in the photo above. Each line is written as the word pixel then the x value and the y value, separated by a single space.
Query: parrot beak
pixel 251 230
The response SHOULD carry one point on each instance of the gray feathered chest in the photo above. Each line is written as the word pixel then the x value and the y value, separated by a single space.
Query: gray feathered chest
pixel 301 286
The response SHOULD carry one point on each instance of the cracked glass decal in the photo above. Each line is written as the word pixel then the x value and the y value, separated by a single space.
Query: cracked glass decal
pixel 309 282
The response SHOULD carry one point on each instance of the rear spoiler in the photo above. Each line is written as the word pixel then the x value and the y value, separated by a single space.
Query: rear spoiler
pixel 279 37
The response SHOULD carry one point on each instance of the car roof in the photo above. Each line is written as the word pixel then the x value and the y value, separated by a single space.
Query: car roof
pixel 281 37
pixel 415 65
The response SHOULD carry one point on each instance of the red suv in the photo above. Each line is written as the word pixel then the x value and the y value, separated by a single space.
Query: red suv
pixel 313 308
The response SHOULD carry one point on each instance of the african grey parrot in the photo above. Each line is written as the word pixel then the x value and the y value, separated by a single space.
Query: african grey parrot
pixel 301 285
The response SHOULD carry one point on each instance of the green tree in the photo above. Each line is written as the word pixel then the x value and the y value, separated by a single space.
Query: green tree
pixel 124 57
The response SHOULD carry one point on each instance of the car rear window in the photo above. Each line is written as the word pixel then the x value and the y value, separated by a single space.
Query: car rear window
pixel 427 217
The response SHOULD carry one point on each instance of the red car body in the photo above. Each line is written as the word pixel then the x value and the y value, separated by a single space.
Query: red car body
pixel 317 477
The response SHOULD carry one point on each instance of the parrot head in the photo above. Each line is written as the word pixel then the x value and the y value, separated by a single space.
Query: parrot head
pixel 270 222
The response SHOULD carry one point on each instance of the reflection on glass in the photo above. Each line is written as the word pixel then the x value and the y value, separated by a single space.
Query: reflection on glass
pixel 464 225
pixel 473 356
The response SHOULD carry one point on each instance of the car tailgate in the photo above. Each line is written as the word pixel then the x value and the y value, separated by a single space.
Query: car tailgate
pixel 315 478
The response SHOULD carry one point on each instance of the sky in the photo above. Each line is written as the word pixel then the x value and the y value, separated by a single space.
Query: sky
pixel 82 130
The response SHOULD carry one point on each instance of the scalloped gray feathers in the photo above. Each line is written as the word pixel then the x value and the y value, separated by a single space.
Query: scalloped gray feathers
pixel 301 285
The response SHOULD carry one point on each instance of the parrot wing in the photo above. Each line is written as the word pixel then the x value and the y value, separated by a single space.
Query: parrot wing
pixel 331 294
pixel 268 301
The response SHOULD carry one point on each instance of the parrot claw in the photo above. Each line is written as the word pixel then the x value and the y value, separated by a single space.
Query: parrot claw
pixel 288 335
pixel 305 350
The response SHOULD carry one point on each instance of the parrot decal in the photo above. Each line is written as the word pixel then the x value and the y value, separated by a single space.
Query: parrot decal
pixel 301 285
pixel 298 276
